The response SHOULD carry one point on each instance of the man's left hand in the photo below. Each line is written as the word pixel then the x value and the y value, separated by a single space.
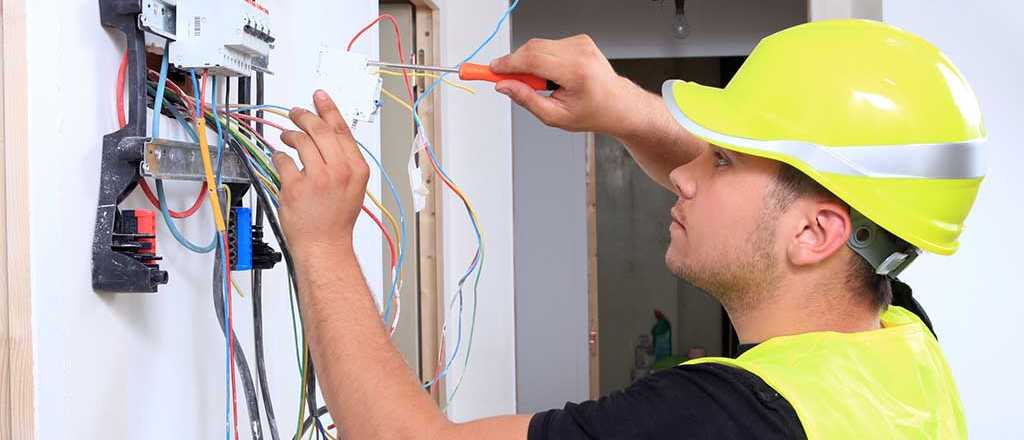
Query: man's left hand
pixel 319 205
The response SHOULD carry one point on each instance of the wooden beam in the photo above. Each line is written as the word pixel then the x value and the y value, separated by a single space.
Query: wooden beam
pixel 431 261
pixel 17 411
pixel 592 305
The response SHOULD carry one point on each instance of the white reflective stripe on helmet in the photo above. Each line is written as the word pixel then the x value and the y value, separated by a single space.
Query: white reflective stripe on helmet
pixel 955 160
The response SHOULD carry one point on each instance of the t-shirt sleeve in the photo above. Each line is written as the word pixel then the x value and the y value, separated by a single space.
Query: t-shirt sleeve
pixel 693 401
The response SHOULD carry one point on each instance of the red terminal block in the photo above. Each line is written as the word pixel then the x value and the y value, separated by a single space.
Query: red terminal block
pixel 145 221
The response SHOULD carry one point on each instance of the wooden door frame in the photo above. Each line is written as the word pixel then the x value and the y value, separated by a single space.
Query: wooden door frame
pixel 593 341
pixel 17 410
pixel 430 257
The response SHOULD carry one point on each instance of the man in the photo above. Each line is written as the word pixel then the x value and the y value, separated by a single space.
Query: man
pixel 804 187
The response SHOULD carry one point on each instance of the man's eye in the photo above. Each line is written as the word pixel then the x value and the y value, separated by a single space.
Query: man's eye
pixel 721 160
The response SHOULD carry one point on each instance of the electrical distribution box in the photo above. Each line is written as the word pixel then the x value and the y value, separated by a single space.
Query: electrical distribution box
pixel 354 85
pixel 228 37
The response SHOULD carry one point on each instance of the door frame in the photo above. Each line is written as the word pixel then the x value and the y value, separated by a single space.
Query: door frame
pixel 430 257
pixel 593 342
pixel 17 409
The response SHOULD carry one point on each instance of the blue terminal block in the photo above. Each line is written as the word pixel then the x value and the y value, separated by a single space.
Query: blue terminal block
pixel 243 239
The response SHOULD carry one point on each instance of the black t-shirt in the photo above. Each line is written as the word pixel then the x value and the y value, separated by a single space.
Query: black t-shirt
pixel 704 401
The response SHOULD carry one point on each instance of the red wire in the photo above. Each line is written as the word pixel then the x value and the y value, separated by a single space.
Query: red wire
pixel 398 39
pixel 227 264
pixel 243 123
pixel 260 120
pixel 122 71
pixel 391 242
pixel 412 99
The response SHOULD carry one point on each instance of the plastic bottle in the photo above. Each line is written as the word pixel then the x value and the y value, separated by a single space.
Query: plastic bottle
pixel 661 333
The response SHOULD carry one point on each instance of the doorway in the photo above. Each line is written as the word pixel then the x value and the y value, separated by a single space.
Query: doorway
pixel 631 222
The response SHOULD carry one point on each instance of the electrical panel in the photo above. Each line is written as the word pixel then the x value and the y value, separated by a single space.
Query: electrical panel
pixel 354 85
pixel 228 37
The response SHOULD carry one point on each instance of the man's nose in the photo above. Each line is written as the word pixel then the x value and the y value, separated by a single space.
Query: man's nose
pixel 683 182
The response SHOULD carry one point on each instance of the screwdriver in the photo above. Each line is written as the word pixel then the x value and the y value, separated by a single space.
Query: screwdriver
pixel 476 72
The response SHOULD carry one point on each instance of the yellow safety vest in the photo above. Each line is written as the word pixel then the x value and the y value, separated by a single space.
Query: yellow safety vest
pixel 881 384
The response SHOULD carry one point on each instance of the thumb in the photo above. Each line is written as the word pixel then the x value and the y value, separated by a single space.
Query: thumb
pixel 285 167
pixel 543 107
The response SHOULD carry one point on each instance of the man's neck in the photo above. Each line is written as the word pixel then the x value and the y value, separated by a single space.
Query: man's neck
pixel 793 309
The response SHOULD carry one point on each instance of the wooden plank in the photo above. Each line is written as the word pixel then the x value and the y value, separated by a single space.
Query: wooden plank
pixel 397 130
pixel 431 262
pixel 17 411
pixel 592 304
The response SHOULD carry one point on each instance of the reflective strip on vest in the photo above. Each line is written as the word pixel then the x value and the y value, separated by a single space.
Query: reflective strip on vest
pixel 954 160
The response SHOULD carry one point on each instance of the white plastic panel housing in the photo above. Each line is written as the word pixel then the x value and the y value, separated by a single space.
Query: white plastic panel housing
pixel 352 84
pixel 229 37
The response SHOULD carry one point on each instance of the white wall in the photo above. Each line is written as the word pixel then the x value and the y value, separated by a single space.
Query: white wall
pixel 144 366
pixel 552 355
pixel 477 151
pixel 974 297
pixel 642 28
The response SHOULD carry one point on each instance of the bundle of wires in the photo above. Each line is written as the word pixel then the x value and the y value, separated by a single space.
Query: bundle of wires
pixel 475 267
pixel 255 151
pixel 234 131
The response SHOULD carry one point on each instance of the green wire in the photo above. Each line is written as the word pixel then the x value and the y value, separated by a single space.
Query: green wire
pixel 295 329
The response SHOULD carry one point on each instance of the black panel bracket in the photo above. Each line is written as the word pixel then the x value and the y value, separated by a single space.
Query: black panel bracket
pixel 115 268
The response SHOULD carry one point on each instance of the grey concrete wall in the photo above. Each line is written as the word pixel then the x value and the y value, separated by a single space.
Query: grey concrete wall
pixel 632 235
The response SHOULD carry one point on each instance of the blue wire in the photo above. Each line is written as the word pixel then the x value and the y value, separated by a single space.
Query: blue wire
pixel 401 221
pixel 220 132
pixel 158 102
pixel 227 353
pixel 478 259
pixel 220 246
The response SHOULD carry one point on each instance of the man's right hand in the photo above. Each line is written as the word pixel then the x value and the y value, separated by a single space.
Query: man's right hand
pixel 591 97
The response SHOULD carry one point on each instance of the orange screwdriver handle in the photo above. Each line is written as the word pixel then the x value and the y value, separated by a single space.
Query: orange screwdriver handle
pixel 480 72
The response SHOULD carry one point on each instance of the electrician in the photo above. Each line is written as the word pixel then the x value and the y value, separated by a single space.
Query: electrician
pixel 840 150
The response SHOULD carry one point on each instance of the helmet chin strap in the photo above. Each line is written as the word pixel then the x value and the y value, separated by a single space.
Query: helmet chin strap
pixel 888 254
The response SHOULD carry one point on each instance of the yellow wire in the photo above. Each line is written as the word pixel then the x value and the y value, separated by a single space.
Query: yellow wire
pixel 275 111
pixel 454 188
pixel 397 99
pixel 270 185
pixel 238 289
pixel 387 214
pixel 211 182
pixel 462 87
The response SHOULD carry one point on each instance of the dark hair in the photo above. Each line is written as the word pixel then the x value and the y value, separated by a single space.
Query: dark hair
pixel 790 185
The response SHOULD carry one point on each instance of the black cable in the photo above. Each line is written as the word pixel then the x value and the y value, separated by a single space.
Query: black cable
pixel 242 365
pixel 244 88
pixel 309 422
pixel 275 226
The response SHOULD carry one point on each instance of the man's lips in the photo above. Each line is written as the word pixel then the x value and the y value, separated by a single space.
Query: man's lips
pixel 678 218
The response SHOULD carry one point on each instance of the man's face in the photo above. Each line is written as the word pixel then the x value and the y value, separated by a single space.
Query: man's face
pixel 722 230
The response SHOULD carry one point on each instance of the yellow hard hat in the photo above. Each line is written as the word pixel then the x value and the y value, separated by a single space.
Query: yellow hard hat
pixel 873 113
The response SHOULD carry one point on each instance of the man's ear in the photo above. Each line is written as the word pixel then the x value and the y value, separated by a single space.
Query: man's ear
pixel 824 228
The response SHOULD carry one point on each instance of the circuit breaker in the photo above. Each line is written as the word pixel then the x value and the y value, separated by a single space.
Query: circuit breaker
pixel 228 37
pixel 354 85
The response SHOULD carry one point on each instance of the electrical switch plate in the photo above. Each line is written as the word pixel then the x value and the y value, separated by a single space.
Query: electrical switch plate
pixel 354 86
pixel 229 37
